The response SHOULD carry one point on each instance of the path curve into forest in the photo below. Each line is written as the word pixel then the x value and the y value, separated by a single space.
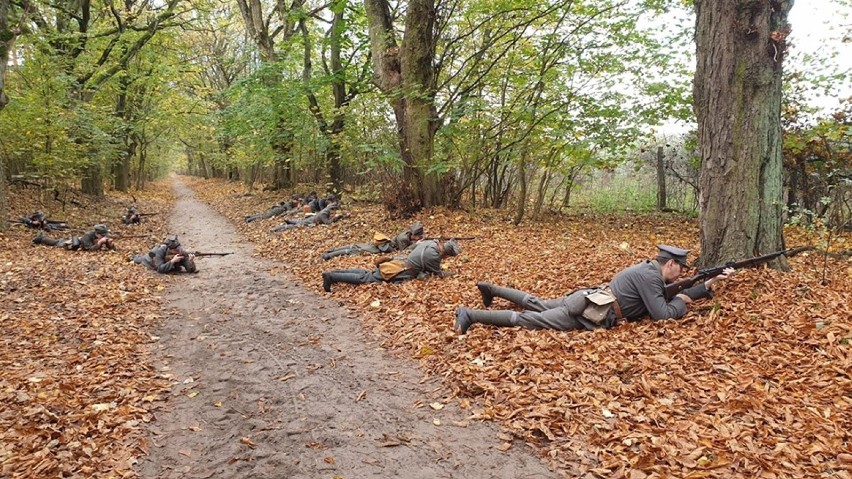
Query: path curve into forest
pixel 274 381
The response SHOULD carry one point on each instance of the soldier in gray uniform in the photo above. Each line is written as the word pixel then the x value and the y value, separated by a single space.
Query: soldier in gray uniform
pixel 168 257
pixel 325 217
pixel 425 260
pixel 319 204
pixel 95 240
pixel 633 293
pixel 381 244
pixel 280 209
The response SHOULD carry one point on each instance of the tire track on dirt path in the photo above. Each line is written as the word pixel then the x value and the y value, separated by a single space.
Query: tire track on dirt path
pixel 274 381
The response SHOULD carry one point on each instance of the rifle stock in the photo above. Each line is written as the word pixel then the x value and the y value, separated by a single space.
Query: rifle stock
pixel 704 274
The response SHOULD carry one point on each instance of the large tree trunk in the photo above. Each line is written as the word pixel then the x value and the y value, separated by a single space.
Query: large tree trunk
pixel 406 75
pixel 740 49
pixel 7 39
pixel 417 55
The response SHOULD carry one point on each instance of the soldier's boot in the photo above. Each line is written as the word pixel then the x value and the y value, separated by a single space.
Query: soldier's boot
pixel 490 291
pixel 465 318
pixel 340 276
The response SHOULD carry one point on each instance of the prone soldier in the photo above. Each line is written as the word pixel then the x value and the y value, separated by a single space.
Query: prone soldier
pixel 633 293
pixel 168 257
pixel 423 261
pixel 381 244
pixel 325 217
pixel 280 209
pixel 95 240
pixel 39 220
pixel 132 217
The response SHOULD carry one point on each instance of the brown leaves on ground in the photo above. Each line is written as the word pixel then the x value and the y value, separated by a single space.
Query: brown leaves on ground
pixel 754 383
pixel 76 380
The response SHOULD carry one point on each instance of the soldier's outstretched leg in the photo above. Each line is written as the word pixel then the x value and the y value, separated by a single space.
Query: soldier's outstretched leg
pixel 334 253
pixel 522 298
pixel 351 276
pixel 465 318
pixel 41 239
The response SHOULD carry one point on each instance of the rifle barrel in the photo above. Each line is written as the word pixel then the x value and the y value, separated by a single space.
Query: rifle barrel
pixel 703 274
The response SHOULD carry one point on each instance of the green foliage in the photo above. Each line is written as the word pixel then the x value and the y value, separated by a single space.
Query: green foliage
pixel 611 192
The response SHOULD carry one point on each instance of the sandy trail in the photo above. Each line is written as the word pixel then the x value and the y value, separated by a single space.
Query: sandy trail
pixel 273 381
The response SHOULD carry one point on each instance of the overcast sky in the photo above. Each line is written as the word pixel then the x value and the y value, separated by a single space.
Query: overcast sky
pixel 819 27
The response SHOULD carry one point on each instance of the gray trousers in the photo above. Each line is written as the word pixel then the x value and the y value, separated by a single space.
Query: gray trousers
pixel 364 276
pixel 357 248
pixel 560 314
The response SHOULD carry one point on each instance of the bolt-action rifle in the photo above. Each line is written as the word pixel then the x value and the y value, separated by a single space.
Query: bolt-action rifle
pixel 121 236
pixel 704 274
pixel 199 254
pixel 46 224
pixel 448 238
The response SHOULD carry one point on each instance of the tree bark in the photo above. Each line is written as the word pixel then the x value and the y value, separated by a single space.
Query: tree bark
pixel 7 39
pixel 406 75
pixel 737 90
pixel 661 180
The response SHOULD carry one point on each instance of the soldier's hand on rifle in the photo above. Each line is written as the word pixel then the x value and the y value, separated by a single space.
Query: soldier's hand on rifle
pixel 725 274
pixel 177 258
pixel 686 299
pixel 191 256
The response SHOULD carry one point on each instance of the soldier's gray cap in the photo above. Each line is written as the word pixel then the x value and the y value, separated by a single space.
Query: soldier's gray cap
pixel 451 248
pixel 673 252
pixel 101 229
pixel 172 242
pixel 416 229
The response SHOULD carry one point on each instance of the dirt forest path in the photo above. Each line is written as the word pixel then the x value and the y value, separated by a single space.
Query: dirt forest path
pixel 273 381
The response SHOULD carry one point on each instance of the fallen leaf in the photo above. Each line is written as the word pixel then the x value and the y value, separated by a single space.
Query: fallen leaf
pixel 248 442
pixel 436 406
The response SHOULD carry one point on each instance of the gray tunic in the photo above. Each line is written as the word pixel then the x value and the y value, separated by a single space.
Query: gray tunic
pixel 158 259
pixel 638 289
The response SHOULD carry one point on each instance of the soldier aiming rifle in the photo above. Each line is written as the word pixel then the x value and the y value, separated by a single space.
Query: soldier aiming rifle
pixel 682 286
pixel 134 217
pixel 170 257
pixel 39 220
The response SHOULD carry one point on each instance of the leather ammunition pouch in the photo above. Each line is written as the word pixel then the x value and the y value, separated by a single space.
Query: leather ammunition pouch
pixel 599 304
pixel 380 239
pixel 389 269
